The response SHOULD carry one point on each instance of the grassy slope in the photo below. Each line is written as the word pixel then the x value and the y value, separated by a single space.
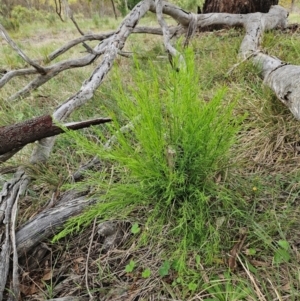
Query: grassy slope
pixel 266 176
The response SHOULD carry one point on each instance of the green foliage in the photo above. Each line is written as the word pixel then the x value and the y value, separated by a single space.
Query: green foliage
pixel 282 254
pixel 135 228
pixel 267 177
pixel 164 269
pixel 130 266
pixel 51 19
pixel 285 3
pixel 169 159
pixel 96 19
pixel 20 15
pixel 25 15
pixel 121 5
pixel 10 23
pixel 228 289
pixel 146 273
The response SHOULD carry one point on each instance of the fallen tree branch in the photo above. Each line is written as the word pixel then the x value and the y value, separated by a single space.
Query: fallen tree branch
pixel 52 71
pixel 10 74
pixel 5 35
pixel 282 78
pixel 86 92
pixel 174 55
pixel 15 288
pixel 18 135
pixel 47 223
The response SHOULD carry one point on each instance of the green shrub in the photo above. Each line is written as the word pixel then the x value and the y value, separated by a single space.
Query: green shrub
pixel 51 18
pixel 25 15
pixel 169 160
pixel 10 23
pixel 121 5
pixel 96 19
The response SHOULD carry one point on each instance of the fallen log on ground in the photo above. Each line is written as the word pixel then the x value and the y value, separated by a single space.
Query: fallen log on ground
pixel 46 223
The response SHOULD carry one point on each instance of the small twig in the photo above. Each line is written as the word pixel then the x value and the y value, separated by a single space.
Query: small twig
pixel 259 293
pixel 125 54
pixel 75 23
pixel 113 139
pixel 239 63
pixel 172 52
pixel 275 290
pixel 58 9
pixel 7 38
pixel 191 29
pixel 114 9
pixel 91 50
pixel 15 293
pixel 87 261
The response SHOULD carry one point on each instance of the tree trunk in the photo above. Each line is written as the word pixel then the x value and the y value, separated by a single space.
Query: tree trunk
pixel 292 5
pixel 238 7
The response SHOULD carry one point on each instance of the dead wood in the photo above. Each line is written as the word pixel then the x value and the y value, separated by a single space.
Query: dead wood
pixel 14 137
pixel 9 196
pixel 58 9
pixel 244 7
pixel 46 223
pixel 5 35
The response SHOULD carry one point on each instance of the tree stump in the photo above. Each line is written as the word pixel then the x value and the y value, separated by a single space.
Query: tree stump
pixel 238 7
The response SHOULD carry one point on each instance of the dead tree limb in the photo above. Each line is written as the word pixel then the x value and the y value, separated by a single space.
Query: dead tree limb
pixel 172 52
pixel 18 135
pixel 5 35
pixel 46 223
pixel 85 61
pixel 86 92
pixel 55 69
pixel 58 9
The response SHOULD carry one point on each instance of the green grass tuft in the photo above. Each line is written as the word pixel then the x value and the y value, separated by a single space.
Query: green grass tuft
pixel 169 160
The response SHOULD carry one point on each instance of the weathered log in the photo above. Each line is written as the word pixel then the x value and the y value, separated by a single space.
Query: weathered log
pixel 46 223
pixel 14 137
pixel 9 197
pixel 281 77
